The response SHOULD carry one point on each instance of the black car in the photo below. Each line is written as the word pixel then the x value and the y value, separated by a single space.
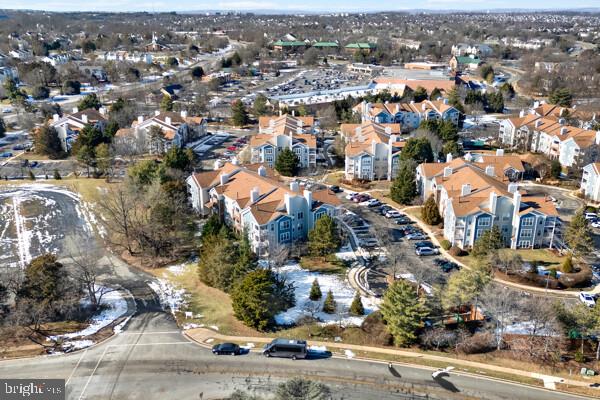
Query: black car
pixel 226 348
pixel 335 189
pixel 403 221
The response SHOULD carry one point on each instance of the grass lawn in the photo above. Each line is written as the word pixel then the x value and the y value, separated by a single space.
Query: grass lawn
pixel 328 265
pixel 213 304
pixel 544 257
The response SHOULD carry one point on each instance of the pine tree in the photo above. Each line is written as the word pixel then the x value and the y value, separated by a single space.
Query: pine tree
pixel 166 104
pixel 567 266
pixel 578 236
pixel 324 238
pixel 430 213
pixel 419 94
pixel 2 128
pixel 403 312
pixel 31 175
pixel 561 97
pixel 315 291
pixel 404 188
pixel 488 241
pixel 240 115
pixel 47 142
pixel 356 308
pixel 329 303
pixel 287 163
pixel 57 175
pixel 435 94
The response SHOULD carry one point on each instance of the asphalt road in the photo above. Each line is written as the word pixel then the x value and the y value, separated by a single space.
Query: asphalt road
pixel 151 359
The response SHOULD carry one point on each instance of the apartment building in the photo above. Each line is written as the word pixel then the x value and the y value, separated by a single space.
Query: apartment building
pixel 473 199
pixel 590 182
pixel 409 115
pixel 253 200
pixel 69 125
pixel 372 150
pixel 161 131
pixel 285 131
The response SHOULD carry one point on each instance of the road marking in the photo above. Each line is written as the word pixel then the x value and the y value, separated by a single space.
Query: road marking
pixel 76 365
pixel 149 344
pixel 93 372
pixel 148 333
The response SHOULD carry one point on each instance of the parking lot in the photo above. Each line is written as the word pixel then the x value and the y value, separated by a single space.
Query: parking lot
pixel 392 245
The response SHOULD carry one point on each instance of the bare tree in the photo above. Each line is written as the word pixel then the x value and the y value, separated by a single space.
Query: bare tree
pixel 118 207
pixel 86 272
pixel 499 302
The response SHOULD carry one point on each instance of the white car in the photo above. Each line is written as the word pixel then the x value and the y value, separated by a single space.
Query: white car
pixel 393 214
pixel 596 224
pixel 587 299
pixel 369 202
pixel 590 216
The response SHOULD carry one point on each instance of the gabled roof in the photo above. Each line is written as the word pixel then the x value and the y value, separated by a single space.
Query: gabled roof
pixel 361 45
pixel 468 60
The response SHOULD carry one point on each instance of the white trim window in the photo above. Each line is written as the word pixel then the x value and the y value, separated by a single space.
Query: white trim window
pixel 528 221
pixel 484 221
pixel 284 237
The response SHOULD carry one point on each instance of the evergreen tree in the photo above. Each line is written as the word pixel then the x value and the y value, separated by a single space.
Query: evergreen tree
pixel 435 94
pixel 404 189
pixel 259 297
pixel 240 115
pixel 31 175
pixel 356 308
pixel 419 94
pixel 179 158
pixel 90 101
pixel 329 303
pixel 287 162
pixel 453 148
pixel 47 142
pixel 403 312
pixel 430 213
pixel 567 266
pixel 324 238
pixel 2 128
pixel 561 97
pixel 166 104
pixel 315 291
pixel 578 236
pixel 465 285
pixel 260 105
pixel 197 72
pixel 494 102
pixel 302 389
pixel 555 169
pixel 447 131
pixel 417 149
pixel 57 175
pixel 488 241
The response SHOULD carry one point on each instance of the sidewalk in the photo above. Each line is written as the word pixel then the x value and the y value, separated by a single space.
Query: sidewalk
pixel 206 337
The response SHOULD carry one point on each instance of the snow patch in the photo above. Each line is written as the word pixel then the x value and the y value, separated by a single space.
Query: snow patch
pixel 349 354
pixel 192 326
pixel 178 269
pixel 77 345
pixel 169 296
pixel 343 294
pixel 115 306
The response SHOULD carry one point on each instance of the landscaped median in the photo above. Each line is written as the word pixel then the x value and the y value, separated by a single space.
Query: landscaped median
pixel 207 338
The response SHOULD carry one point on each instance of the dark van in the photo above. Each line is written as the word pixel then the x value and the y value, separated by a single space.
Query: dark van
pixel 286 348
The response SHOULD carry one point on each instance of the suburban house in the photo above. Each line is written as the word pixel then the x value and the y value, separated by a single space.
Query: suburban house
pixel 590 182
pixel 285 131
pixel 409 115
pixel 8 73
pixel 464 49
pixel 472 198
pixel 253 200
pixel 461 63
pixel 372 150
pixel 291 46
pixel 174 129
pixel 69 126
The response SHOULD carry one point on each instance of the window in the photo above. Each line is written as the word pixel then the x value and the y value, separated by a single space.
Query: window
pixel 300 215
pixel 485 221
pixel 526 233
pixel 284 237
pixel 269 150
pixel 320 214
pixel 285 225
pixel 528 221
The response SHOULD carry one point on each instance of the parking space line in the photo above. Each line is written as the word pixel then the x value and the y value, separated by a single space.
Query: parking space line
pixel 76 366
pixel 93 372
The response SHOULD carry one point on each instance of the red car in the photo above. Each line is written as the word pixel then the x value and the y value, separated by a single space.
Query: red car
pixel 232 148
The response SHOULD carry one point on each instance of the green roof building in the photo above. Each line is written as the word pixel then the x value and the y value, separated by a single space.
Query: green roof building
pixel 326 45
pixel 364 47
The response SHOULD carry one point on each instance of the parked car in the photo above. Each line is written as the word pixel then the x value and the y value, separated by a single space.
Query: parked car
pixel 226 348
pixel 232 148
pixel 403 221
pixel 6 154
pixel 335 189
pixel 33 164
pixel 361 198
pixel 425 243
pixel 373 203
pixel 426 251
pixel 393 214
pixel 587 299
pixel 590 216
pixel 416 236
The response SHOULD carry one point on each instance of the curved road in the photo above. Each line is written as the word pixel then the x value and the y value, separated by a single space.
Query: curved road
pixel 151 359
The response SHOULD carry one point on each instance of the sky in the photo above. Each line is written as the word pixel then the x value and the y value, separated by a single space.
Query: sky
pixel 306 5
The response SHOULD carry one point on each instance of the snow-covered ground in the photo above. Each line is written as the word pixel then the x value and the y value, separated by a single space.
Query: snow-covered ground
pixel 170 297
pixel 343 294
pixel 115 306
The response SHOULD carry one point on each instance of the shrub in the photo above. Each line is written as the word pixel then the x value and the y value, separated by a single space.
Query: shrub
pixel 446 245
pixel 577 279
pixel 374 326
pixel 478 343
pixel 315 291
pixel 57 175
pixel 456 251
pixel 567 266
